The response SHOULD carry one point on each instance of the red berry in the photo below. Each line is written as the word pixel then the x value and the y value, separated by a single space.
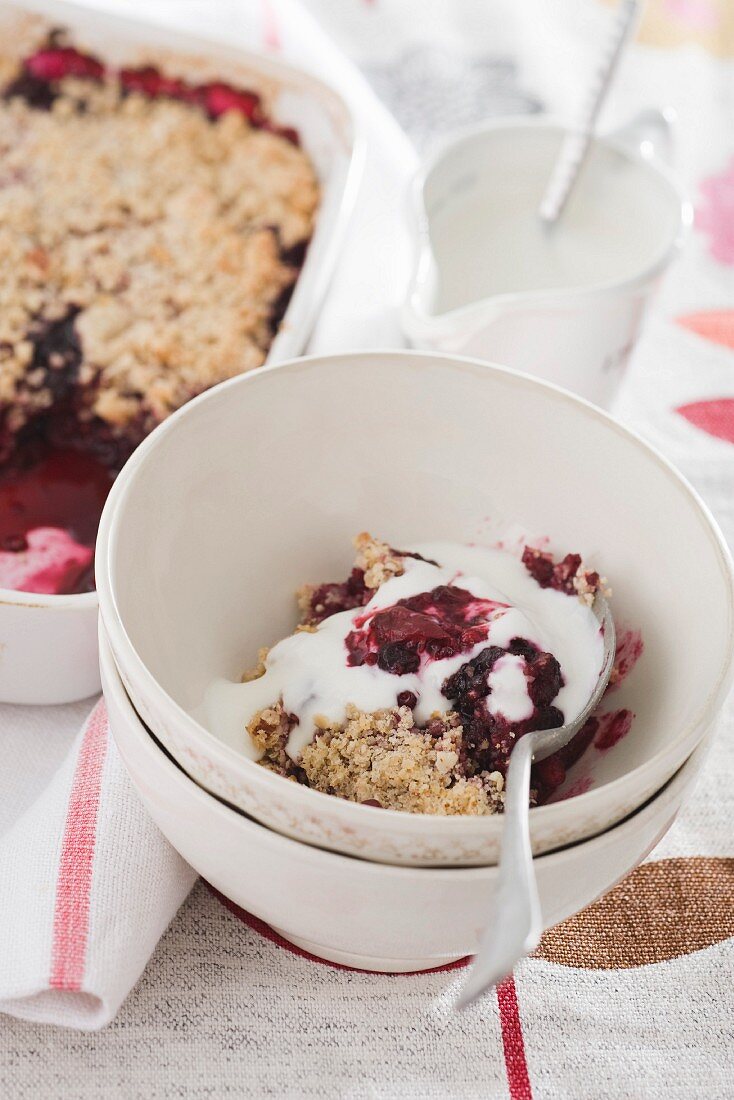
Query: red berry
pixel 55 64
pixel 550 772
pixel 218 98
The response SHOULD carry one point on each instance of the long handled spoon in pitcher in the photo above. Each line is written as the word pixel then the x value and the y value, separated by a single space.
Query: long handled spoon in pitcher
pixel 576 144
pixel 517 923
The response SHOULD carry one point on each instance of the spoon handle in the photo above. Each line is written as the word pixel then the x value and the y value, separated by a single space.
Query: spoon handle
pixel 516 926
pixel 577 141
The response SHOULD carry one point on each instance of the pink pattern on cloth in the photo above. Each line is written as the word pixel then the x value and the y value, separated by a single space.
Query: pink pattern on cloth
pixel 713 417
pixel 699 15
pixel 716 325
pixel 612 728
pixel 74 883
pixel 715 215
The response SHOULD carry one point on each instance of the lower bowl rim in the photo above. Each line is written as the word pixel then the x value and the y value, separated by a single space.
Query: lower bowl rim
pixel 220 805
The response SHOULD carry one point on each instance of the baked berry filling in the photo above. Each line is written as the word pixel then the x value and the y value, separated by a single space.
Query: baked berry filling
pixel 489 738
pixel 435 625
pixel 563 576
pixel 152 231
pixel 63 491
pixel 42 73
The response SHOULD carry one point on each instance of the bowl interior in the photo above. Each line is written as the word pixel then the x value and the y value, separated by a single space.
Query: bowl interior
pixel 260 484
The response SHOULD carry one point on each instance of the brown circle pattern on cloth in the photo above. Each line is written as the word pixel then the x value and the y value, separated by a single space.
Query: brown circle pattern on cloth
pixel 662 910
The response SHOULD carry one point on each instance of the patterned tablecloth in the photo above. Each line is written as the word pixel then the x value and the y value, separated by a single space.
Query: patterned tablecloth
pixel 634 997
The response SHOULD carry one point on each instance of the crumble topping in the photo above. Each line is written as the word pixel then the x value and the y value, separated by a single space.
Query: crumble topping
pixel 376 562
pixel 385 759
pixel 568 575
pixel 446 758
pixel 149 243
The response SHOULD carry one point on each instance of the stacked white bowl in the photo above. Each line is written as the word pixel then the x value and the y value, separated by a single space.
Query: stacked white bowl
pixel 258 486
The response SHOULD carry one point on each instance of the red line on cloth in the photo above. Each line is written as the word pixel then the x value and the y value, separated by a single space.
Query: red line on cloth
pixel 513 1043
pixel 74 882
pixel 265 930
pixel 271 28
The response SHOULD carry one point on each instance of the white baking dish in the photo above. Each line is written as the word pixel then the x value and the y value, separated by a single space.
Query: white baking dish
pixel 49 643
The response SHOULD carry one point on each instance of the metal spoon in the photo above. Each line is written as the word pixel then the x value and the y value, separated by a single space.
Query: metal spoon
pixel 516 927
pixel 576 144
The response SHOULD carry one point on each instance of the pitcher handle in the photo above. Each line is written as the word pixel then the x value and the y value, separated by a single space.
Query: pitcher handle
pixel 649 133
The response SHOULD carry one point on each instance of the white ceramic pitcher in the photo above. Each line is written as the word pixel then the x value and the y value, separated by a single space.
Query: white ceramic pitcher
pixel 577 336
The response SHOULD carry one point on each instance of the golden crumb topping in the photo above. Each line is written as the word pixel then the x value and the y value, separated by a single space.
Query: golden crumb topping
pixel 377 560
pixel 165 229
pixel 383 758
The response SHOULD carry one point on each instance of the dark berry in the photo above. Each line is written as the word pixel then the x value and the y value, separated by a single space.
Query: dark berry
pixel 558 575
pixel 398 658
pixel 545 718
pixel 521 647
pixel 329 599
pixel 539 565
pixel 469 683
pixel 57 353
pixel 549 773
pixel 546 680
pixel 36 93
pixel 150 82
pixel 407 699
pixel 14 544
pixel 578 745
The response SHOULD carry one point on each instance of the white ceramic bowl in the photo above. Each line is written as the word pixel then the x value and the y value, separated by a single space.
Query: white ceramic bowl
pixel 49 643
pixel 351 911
pixel 260 484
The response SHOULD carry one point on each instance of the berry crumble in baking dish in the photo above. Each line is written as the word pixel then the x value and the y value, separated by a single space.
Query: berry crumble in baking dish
pixel 406 685
pixel 152 229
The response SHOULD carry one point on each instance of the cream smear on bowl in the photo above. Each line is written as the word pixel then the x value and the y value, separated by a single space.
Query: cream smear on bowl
pixel 318 673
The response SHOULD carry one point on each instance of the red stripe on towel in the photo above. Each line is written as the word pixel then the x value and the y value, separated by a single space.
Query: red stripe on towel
pixel 516 1065
pixel 74 882
pixel 513 1043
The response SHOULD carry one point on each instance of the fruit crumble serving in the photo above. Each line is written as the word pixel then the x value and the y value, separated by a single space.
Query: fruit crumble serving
pixel 152 228
pixel 406 685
